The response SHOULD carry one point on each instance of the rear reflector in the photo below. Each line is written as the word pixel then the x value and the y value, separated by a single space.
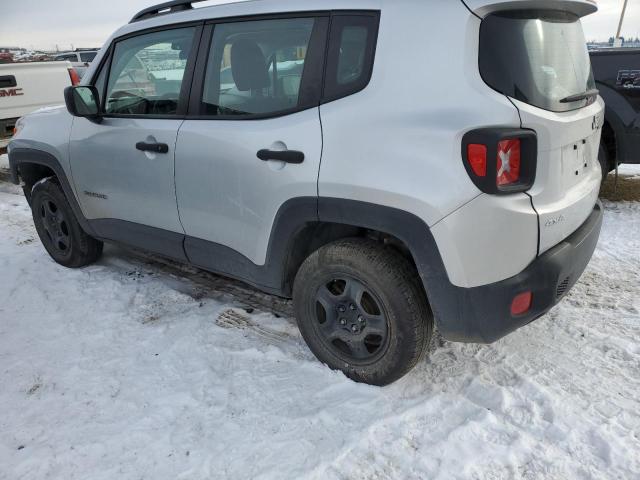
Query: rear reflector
pixel 521 303
pixel 477 157
pixel 73 75
pixel 508 166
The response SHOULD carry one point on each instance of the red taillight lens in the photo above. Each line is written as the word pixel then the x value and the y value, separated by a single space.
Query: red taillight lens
pixel 477 157
pixel 500 160
pixel 73 75
pixel 508 166
pixel 521 303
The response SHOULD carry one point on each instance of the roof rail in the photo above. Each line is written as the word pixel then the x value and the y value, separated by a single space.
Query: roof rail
pixel 164 8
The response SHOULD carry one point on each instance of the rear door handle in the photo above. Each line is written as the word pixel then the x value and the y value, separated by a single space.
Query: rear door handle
pixel 288 156
pixel 152 147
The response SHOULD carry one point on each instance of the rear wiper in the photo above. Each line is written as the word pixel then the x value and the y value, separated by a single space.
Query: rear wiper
pixel 581 96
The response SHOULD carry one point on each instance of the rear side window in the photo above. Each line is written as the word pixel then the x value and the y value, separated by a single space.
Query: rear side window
pixel 539 57
pixel 352 44
pixel 263 67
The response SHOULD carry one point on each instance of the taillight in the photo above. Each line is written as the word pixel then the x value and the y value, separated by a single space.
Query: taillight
pixel 73 75
pixel 508 166
pixel 477 156
pixel 501 160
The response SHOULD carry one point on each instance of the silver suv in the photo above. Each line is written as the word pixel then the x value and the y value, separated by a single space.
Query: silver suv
pixel 339 153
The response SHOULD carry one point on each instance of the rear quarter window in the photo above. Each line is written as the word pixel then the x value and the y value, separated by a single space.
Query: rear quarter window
pixel 352 44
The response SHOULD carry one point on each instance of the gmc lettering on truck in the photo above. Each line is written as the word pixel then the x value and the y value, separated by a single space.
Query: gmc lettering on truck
pixel 11 92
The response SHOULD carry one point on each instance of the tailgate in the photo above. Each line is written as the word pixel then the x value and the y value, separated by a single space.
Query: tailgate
pixel 539 59
pixel 29 86
pixel 568 174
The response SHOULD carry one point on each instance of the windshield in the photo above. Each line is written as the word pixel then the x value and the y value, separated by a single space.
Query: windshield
pixel 538 57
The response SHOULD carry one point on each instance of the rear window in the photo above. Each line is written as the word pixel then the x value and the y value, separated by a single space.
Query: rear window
pixel 72 57
pixel 538 57
pixel 88 56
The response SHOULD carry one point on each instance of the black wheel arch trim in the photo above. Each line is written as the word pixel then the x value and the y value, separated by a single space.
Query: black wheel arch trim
pixel 416 236
pixel 21 156
pixel 614 104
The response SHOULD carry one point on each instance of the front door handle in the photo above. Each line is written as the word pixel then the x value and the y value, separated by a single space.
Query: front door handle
pixel 288 156
pixel 152 147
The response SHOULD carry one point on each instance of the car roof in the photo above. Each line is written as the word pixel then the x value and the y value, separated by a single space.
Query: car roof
pixel 246 7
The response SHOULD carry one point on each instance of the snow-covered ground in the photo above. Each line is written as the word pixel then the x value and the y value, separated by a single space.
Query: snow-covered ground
pixel 124 370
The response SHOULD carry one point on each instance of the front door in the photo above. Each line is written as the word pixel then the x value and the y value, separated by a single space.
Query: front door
pixel 123 167
pixel 254 139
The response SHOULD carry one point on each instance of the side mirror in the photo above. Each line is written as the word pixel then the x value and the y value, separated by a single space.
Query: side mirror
pixel 83 101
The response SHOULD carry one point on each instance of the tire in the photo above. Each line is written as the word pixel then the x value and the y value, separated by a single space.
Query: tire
pixel 603 158
pixel 362 310
pixel 58 228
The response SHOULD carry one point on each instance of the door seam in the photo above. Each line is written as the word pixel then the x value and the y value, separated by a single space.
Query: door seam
pixel 175 188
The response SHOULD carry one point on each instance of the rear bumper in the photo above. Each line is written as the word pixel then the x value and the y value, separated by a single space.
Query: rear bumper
pixel 483 314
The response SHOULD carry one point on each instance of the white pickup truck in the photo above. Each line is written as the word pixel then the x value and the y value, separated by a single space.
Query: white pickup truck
pixel 25 87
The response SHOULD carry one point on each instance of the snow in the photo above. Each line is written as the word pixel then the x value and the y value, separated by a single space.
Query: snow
pixel 128 369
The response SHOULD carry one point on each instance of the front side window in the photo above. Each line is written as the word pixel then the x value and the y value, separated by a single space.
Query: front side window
pixel 538 57
pixel 146 73
pixel 257 67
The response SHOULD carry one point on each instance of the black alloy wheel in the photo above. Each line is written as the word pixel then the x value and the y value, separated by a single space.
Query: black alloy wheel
pixel 361 309
pixel 58 228
pixel 351 320
pixel 55 225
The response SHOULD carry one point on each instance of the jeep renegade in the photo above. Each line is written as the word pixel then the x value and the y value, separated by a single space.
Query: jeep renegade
pixel 346 153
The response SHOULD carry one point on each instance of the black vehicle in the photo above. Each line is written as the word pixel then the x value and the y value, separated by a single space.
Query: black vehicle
pixel 617 74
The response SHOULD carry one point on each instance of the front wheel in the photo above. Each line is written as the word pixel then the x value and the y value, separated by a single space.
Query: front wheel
pixel 58 229
pixel 361 309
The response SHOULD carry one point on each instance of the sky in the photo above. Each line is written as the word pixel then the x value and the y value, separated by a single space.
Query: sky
pixel 43 24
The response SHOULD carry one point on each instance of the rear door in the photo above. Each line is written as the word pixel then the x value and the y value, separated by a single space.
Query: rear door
pixel 253 138
pixel 539 59
pixel 123 166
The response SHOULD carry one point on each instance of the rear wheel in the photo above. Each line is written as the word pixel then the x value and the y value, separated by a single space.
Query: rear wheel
pixel 361 309
pixel 58 229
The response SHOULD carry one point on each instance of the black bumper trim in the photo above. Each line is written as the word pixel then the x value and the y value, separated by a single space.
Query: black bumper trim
pixel 483 314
